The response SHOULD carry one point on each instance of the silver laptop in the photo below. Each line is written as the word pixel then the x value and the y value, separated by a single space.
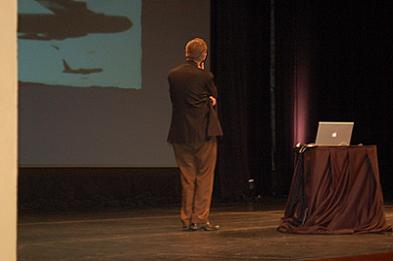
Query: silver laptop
pixel 334 133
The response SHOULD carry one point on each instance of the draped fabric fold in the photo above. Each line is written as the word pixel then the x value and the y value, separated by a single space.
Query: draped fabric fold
pixel 335 190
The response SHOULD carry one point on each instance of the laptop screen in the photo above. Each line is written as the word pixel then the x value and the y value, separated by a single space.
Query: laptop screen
pixel 334 133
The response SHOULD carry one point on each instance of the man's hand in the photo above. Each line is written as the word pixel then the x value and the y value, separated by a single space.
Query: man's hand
pixel 213 100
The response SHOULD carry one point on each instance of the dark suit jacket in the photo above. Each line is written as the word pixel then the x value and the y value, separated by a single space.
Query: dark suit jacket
pixel 193 118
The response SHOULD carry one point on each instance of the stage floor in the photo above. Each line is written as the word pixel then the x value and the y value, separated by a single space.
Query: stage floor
pixel 248 232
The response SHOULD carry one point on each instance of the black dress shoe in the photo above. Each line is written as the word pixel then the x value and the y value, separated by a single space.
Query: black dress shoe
pixel 186 228
pixel 204 226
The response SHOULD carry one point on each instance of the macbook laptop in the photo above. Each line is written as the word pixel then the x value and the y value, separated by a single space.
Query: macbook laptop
pixel 334 133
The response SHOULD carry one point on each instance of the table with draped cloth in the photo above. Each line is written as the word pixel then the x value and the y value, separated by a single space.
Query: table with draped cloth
pixel 335 190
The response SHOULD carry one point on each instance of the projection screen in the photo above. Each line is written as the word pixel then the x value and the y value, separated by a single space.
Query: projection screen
pixel 92 79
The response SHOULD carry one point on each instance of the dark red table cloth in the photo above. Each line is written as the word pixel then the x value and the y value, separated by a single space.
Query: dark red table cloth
pixel 335 190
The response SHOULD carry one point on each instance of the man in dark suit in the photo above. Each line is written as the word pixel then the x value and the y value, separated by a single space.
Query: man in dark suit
pixel 193 131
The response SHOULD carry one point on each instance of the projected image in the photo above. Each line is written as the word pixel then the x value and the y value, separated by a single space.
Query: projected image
pixel 90 43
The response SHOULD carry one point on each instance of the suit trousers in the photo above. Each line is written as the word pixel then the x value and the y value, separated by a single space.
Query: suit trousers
pixel 196 163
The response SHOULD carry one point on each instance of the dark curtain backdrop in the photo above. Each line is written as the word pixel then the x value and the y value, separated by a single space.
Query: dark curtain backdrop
pixel 241 54
pixel 354 73
pixel 333 62
pixel 295 83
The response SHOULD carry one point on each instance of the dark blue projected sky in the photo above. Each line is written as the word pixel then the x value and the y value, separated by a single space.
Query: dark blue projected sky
pixel 104 58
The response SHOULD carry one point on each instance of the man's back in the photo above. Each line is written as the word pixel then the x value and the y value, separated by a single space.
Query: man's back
pixel 189 89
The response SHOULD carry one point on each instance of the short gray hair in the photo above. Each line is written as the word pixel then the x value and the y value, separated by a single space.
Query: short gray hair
pixel 195 48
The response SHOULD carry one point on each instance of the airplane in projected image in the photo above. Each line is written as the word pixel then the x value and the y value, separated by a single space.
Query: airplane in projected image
pixel 70 19
pixel 68 69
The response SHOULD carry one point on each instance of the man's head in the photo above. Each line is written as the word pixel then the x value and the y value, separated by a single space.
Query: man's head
pixel 196 50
